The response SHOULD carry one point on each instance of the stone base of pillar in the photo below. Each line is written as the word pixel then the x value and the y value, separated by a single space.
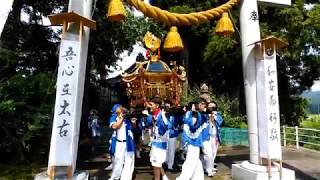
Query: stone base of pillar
pixel 246 170
pixel 77 176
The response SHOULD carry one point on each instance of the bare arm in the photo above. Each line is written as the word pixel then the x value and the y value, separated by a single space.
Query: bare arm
pixel 119 122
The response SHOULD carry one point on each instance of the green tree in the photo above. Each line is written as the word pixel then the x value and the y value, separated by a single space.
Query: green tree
pixel 218 62
pixel 28 67
pixel 28 62
pixel 225 107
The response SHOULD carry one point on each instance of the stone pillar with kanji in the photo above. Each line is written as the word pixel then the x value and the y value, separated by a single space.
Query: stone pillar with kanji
pixel 267 98
pixel 270 152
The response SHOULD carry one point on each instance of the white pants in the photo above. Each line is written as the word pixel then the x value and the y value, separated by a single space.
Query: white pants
pixel 214 146
pixel 208 155
pixel 171 152
pixel 123 162
pixel 192 166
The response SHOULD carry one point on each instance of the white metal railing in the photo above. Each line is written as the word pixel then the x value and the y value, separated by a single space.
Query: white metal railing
pixel 301 136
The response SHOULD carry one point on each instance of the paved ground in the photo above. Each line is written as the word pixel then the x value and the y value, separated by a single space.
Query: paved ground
pixel 306 164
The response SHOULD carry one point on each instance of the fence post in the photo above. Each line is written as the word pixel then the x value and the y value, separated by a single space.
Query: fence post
pixel 297 137
pixel 284 136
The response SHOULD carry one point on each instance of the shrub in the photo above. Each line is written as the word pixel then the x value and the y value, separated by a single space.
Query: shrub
pixel 224 103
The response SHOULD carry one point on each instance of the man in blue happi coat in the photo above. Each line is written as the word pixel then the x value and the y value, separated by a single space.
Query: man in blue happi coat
pixel 175 120
pixel 159 123
pixel 192 138
pixel 122 145
pixel 215 122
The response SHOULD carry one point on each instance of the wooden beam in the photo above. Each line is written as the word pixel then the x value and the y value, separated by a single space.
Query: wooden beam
pixel 59 19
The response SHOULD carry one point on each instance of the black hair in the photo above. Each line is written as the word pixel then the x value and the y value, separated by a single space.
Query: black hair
pixel 202 100
pixel 157 100
pixel 211 108
pixel 168 102
pixel 189 107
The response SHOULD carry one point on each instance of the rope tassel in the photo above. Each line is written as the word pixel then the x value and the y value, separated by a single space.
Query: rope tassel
pixel 224 25
pixel 173 41
pixel 116 11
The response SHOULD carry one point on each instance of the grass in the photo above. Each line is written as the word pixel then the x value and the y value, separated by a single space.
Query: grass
pixel 20 170
pixel 313 121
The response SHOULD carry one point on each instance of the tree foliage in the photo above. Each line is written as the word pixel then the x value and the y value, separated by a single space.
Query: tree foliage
pixel 111 39
pixel 226 107
pixel 29 58
pixel 218 62
pixel 28 67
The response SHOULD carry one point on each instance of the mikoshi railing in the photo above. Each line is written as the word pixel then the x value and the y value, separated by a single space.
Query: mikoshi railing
pixel 301 137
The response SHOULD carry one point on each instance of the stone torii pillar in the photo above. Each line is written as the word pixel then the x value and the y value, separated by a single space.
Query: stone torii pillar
pixel 70 86
pixel 250 33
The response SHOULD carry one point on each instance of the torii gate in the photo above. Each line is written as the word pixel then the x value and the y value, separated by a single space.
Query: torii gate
pixel 64 162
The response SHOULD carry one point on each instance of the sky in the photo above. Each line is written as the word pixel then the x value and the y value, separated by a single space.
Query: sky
pixel 127 60
pixel 316 86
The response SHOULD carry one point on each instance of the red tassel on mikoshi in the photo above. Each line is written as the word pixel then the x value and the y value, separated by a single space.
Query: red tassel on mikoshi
pixel 159 53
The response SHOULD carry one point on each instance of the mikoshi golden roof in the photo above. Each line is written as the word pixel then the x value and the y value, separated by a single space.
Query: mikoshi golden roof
pixel 153 68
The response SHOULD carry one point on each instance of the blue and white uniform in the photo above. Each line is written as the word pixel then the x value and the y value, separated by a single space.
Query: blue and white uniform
pixel 192 137
pixel 160 139
pixel 173 134
pixel 122 148
pixel 212 140
pixel 215 133
pixel 207 146
pixel 94 126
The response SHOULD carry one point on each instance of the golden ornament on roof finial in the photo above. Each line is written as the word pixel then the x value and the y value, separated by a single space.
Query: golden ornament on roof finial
pixel 151 41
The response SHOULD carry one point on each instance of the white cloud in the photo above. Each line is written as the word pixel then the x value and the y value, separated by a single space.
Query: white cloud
pixel 45 20
pixel 126 60
pixel 315 86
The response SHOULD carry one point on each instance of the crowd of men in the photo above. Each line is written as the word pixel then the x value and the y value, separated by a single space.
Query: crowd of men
pixel 198 124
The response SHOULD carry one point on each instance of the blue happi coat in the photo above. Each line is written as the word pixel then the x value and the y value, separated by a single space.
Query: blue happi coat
pixel 174 123
pixel 206 130
pixel 218 123
pixel 193 134
pixel 129 135
pixel 160 130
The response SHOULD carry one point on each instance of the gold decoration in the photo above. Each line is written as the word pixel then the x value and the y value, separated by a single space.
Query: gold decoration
pixel 116 11
pixel 224 25
pixel 144 83
pixel 154 58
pixel 170 18
pixel 151 41
pixel 173 41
